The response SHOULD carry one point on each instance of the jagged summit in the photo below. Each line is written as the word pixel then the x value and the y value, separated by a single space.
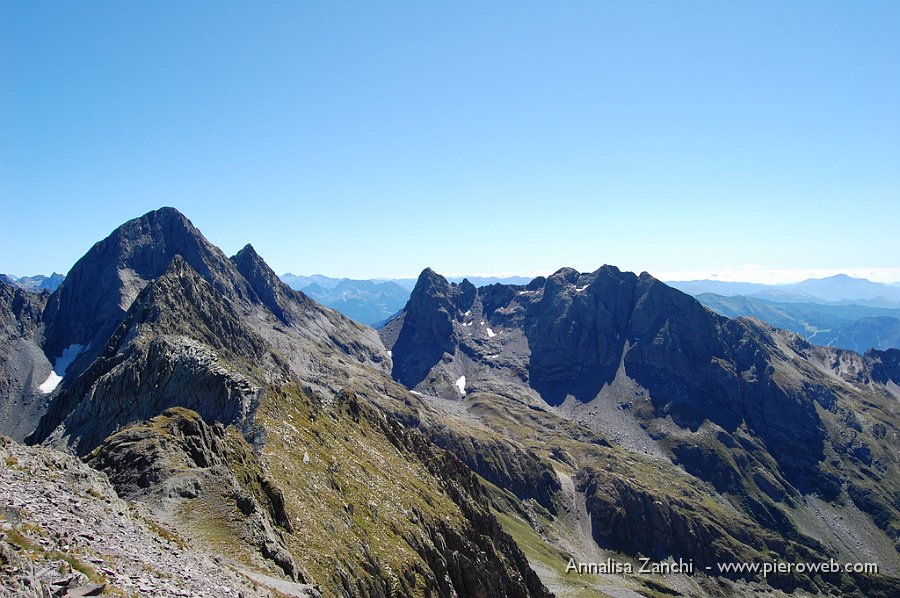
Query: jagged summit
pixel 270 290
pixel 100 287
pixel 430 275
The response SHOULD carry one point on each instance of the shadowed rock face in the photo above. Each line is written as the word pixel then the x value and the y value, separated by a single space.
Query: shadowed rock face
pixel 428 333
pixel 761 415
pixel 884 365
pixel 581 328
pixel 577 339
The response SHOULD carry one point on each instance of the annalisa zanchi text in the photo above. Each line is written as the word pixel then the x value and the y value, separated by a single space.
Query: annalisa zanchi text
pixel 645 566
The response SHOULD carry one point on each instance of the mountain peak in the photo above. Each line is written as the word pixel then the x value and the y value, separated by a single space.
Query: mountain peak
pixel 167 220
pixel 429 278
pixel 165 212
pixel 567 274
pixel 270 290
pixel 93 299
pixel 247 250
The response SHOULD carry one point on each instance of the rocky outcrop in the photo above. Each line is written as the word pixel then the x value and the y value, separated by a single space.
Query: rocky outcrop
pixel 502 463
pixel 174 459
pixel 306 318
pixel 428 329
pixel 267 286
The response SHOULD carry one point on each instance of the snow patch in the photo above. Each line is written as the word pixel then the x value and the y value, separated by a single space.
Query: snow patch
pixel 468 312
pixel 50 383
pixel 461 385
pixel 490 333
pixel 580 289
pixel 390 353
pixel 59 368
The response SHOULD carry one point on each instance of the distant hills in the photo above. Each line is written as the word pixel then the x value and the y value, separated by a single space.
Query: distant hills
pixel 34 283
pixel 855 327
pixel 841 289
pixel 365 301
pixel 838 311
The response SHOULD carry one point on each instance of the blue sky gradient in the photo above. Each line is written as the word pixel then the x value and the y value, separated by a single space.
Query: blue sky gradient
pixel 374 139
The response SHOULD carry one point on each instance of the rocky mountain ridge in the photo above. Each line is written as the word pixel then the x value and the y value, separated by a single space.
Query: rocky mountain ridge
pixel 766 420
pixel 472 447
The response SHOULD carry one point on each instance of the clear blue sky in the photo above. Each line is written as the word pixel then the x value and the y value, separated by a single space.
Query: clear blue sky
pixel 374 139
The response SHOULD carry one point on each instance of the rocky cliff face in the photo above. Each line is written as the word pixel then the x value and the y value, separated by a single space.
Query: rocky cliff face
pixel 883 366
pixel 428 332
pixel 177 346
pixel 23 366
pixel 764 418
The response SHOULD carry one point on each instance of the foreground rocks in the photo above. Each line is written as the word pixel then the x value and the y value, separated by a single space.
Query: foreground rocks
pixel 65 532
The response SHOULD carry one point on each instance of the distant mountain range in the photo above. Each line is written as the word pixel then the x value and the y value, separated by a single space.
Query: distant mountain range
pixel 837 311
pixel 371 301
pixel 365 301
pixel 34 283
pixel 840 289
pixel 855 327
